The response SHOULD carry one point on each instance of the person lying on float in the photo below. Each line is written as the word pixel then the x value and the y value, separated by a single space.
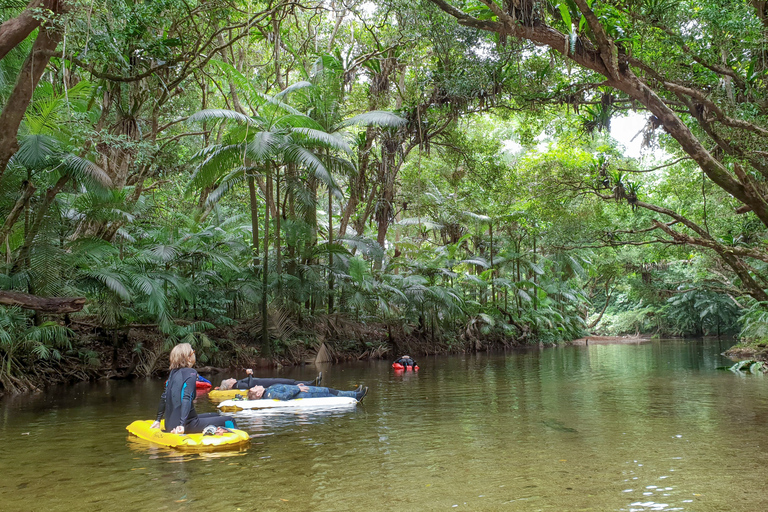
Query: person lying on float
pixel 288 392
pixel 251 381
pixel 405 361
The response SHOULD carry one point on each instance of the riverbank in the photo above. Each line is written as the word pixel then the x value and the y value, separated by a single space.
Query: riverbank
pixel 611 340
pixel 142 350
pixel 136 351
pixel 739 352
pixel 742 351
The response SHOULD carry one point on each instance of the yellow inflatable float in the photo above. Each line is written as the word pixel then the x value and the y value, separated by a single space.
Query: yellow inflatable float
pixel 143 430
pixel 219 395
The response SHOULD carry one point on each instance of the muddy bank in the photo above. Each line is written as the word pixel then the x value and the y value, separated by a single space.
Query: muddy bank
pixel 750 352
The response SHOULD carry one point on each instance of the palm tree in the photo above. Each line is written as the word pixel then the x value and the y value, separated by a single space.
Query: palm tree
pixel 43 168
pixel 258 145
pixel 324 102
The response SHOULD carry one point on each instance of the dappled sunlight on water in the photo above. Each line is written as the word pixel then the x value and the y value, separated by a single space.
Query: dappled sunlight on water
pixel 153 451
pixel 626 428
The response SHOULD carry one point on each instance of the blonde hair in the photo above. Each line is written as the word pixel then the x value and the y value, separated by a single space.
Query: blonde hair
pixel 227 384
pixel 182 356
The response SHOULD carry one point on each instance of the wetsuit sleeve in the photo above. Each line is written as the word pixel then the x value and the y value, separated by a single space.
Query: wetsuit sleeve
pixel 188 390
pixel 161 406
pixel 245 383
pixel 281 392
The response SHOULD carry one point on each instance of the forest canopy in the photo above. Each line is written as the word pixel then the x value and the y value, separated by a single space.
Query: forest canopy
pixel 257 178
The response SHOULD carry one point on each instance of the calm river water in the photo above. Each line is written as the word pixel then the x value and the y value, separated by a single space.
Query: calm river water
pixel 638 427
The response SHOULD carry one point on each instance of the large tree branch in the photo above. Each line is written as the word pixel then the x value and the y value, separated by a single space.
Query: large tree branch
pixel 609 53
pixel 627 82
pixel 721 70
pixel 653 169
pixel 721 116
pixel 16 30
pixel 741 269
pixel 18 101
pixel 91 68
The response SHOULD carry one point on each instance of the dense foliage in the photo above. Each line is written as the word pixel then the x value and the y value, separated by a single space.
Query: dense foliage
pixel 259 177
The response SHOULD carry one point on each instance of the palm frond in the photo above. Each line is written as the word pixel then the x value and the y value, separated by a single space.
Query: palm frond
pixel 36 151
pixel 319 136
pixel 227 184
pixel 304 157
pixel 264 144
pixel 291 88
pixel 86 171
pixel 218 114
pixel 217 161
pixel 111 280
pixel 380 118
pixel 366 246
pixel 420 221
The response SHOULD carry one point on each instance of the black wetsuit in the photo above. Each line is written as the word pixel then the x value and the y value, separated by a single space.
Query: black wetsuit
pixel 177 407
pixel 249 382
pixel 406 361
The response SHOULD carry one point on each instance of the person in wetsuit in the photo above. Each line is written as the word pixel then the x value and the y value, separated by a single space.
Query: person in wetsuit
pixel 251 381
pixel 288 392
pixel 176 401
pixel 406 361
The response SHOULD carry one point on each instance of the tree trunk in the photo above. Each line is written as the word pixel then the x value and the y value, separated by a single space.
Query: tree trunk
pixel 16 30
pixel 34 228
pixel 330 251
pixel 254 220
pixel 18 209
pixel 29 76
pixel 266 349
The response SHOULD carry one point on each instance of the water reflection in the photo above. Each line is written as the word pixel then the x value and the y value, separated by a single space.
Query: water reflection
pixel 638 427
pixel 154 451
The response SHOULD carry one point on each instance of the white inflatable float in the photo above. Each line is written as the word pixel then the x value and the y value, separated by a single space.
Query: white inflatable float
pixel 329 402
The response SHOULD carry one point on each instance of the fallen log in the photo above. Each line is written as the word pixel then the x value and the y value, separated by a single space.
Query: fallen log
pixel 54 305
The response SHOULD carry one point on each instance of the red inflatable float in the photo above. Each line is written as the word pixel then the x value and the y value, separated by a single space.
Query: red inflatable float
pixel 400 367
pixel 203 386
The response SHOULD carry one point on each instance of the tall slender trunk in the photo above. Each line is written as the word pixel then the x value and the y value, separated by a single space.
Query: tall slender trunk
pixel 278 259
pixel 493 287
pixel 276 32
pixel 518 299
pixel 385 206
pixel 254 219
pixel 357 185
pixel 535 274
pixel 330 251
pixel 34 228
pixel 266 349
pixel 290 183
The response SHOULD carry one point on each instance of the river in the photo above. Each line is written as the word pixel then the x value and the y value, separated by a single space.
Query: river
pixel 635 427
